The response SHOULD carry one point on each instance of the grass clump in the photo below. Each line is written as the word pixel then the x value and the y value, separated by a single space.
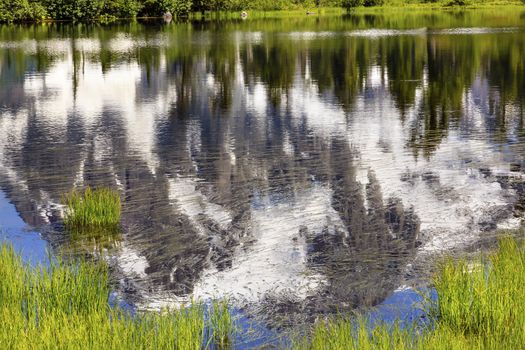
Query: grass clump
pixel 480 306
pixel 485 302
pixel 222 325
pixel 345 333
pixel 99 208
pixel 65 306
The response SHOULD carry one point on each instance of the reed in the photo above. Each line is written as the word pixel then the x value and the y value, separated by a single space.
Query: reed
pixel 65 306
pixel 92 209
pixel 480 306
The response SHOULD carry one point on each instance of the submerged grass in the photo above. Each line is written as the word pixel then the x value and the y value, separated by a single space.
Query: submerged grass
pixel 98 208
pixel 65 306
pixel 480 306
pixel 90 240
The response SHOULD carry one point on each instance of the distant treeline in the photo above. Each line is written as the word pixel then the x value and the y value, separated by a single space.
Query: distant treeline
pixel 36 10
pixel 108 10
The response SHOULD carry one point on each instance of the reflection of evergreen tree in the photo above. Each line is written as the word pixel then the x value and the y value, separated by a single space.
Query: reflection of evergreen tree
pixel 451 69
pixel 379 240
pixel 222 65
pixel 404 59
pixel 341 67
pixel 272 62
pixel 505 71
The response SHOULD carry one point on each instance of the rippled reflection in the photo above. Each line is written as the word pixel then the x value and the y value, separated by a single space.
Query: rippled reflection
pixel 310 165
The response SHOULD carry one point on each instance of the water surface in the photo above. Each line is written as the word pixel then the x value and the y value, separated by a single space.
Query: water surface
pixel 297 166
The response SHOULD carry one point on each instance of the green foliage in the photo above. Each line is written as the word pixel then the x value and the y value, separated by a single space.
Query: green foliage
pixel 21 10
pixel 203 6
pixel 181 8
pixel 74 9
pixel 65 306
pixel 99 208
pixel 122 8
pixel 153 8
pixel 230 5
pixel 480 306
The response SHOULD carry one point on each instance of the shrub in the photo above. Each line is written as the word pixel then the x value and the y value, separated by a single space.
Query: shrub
pixel 181 7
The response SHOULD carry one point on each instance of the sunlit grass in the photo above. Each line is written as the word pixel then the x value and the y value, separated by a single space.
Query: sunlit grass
pixel 480 306
pixel 485 301
pixel 442 5
pixel 348 333
pixel 65 306
pixel 92 208
pixel 222 325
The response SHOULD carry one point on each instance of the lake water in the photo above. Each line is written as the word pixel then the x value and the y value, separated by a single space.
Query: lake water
pixel 297 166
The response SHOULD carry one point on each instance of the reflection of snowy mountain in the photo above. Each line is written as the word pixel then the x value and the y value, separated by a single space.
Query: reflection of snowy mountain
pixel 242 183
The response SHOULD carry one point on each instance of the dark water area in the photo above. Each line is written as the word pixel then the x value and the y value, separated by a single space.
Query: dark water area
pixel 298 167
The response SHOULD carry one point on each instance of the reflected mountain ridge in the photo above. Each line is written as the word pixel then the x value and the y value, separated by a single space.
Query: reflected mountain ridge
pixel 315 175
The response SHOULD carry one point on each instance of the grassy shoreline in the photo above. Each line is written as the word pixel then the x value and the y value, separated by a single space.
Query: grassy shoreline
pixel 66 306
pixel 480 305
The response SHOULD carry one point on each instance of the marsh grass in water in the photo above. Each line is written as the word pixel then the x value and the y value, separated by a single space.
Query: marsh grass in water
pixel 222 331
pixel 65 306
pixel 481 305
pixel 98 208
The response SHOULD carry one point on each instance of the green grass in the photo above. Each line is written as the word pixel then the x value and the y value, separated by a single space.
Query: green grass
pixel 65 306
pixel 222 325
pixel 354 333
pixel 92 209
pixel 481 306
pixel 440 5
